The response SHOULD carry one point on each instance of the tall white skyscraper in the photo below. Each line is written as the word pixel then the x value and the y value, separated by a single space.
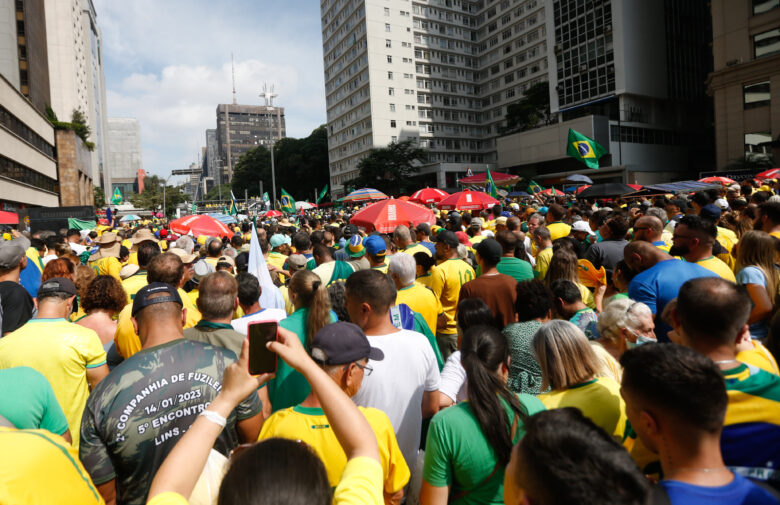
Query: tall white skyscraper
pixel 76 72
pixel 440 72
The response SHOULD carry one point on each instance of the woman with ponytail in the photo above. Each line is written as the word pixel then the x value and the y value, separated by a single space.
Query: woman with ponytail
pixel 469 444
pixel 312 312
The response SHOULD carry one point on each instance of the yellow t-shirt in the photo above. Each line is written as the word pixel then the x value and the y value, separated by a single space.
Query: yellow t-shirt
pixel 413 249
pixel 311 426
pixel 598 399
pixel 134 283
pixel 107 266
pixel 276 259
pixel 126 340
pixel 61 351
pixel 558 230
pixel 381 268
pixel 361 484
pixel 759 356
pixel 421 299
pixel 193 296
pixel 44 469
pixel 543 262
pixel 288 305
pixel 446 281
pixel 133 258
pixel 713 264
pixel 587 295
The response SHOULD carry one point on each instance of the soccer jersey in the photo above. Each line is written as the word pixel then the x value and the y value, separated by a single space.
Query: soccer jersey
pixel 519 270
pixel 750 442
pixel 598 399
pixel 134 283
pixel 738 491
pixel 312 427
pixel 446 281
pixel 422 300
pixel 413 249
pixel 38 468
pixel 759 356
pixel 61 351
pixel 107 266
pixel 713 264
pixel 543 259
pixel 28 401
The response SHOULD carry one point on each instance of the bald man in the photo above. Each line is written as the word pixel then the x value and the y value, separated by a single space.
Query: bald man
pixel 650 229
pixel 659 279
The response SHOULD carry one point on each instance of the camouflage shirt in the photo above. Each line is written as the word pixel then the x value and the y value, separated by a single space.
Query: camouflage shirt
pixel 135 416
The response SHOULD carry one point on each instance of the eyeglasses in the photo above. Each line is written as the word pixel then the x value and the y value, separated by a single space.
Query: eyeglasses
pixel 631 307
pixel 366 369
pixel 643 228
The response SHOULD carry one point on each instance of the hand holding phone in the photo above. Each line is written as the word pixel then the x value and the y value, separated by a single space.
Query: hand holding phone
pixel 261 359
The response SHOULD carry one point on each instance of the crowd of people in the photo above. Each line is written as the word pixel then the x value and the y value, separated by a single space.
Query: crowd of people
pixel 544 351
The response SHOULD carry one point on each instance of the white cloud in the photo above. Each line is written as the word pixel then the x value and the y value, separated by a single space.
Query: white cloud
pixel 168 64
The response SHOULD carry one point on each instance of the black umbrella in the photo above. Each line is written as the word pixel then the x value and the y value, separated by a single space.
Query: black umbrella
pixel 579 178
pixel 607 189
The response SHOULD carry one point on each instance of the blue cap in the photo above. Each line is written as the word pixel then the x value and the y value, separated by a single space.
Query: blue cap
pixel 543 210
pixel 375 245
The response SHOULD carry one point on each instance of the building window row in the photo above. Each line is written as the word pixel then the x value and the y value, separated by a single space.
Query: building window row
pixel 767 43
pixel 635 135
pixel 762 6
pixel 756 95
pixel 17 172
pixel 16 126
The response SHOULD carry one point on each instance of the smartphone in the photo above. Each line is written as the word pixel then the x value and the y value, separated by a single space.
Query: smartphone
pixel 261 359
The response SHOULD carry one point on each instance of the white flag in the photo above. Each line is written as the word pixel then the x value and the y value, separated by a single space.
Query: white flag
pixel 271 297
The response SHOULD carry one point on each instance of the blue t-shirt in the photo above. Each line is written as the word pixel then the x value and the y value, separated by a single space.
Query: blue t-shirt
pixel 740 491
pixel 754 275
pixel 660 284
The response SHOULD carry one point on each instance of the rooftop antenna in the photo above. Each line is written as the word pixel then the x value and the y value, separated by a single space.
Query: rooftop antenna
pixel 233 67
pixel 268 96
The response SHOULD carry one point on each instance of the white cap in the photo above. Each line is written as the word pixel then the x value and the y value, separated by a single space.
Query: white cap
pixel 722 203
pixel 582 226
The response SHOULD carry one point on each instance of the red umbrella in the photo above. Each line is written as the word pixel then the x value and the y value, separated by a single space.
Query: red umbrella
pixel 718 180
pixel 581 189
pixel 200 224
pixel 468 200
pixel 385 215
pixel 551 191
pixel 9 217
pixel 772 173
pixel 273 213
pixel 429 195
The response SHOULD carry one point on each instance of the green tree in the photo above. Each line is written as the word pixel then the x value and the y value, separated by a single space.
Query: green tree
pixel 214 193
pixel 389 169
pixel 152 197
pixel 100 197
pixel 531 110
pixel 301 167
pixel 78 124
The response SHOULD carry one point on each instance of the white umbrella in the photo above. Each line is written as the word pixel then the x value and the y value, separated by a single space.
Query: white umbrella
pixel 304 205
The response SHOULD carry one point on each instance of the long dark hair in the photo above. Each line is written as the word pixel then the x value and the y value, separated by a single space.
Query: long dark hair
pixel 483 349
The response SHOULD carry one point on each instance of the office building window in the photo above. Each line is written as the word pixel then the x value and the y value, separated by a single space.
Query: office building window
pixel 392 123
pixel 762 6
pixel 388 43
pixel 756 95
pixel 389 59
pixel 387 11
pixel 392 107
pixel 387 27
pixel 758 146
pixel 390 75
pixel 767 43
pixel 394 139
pixel 391 91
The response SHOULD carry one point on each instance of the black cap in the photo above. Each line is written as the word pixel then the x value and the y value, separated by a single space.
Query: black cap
pixel 57 285
pixel 710 211
pixel 350 230
pixel 490 250
pixel 142 300
pixel 448 237
pixel 680 202
pixel 341 343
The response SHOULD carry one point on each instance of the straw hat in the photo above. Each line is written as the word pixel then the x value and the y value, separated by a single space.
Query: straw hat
pixel 109 245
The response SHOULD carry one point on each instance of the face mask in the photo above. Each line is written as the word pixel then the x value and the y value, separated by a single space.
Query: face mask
pixel 640 340
pixel 599 238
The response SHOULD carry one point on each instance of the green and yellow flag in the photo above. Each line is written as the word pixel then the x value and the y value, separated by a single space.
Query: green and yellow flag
pixel 288 202
pixel 116 199
pixel 534 187
pixel 584 149
pixel 491 185
pixel 322 194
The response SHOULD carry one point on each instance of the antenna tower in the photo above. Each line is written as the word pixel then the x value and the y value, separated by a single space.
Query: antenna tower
pixel 233 68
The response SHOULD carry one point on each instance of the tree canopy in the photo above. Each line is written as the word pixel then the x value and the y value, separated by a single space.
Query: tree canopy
pixel 530 111
pixel 390 168
pixel 152 197
pixel 301 167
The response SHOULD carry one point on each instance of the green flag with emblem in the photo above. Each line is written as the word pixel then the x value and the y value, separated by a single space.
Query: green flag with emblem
pixel 288 202
pixel 584 149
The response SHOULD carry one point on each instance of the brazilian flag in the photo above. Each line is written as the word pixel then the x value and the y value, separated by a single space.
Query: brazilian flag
pixel 233 209
pixel 322 193
pixel 288 202
pixel 492 191
pixel 116 199
pixel 534 187
pixel 584 149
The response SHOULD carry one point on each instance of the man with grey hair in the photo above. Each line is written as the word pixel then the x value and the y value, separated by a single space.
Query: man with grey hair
pixel 185 243
pixel 402 238
pixel 402 270
pixel 217 301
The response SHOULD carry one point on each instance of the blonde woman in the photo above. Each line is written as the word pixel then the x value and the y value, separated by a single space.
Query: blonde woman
pixel 570 368
pixel 563 265
pixel 756 271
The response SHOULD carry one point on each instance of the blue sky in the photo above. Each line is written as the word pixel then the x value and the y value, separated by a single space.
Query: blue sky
pixel 167 63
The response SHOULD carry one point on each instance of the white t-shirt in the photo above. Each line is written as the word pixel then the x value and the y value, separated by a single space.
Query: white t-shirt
pixel 453 379
pixel 397 384
pixel 242 323
pixel 77 248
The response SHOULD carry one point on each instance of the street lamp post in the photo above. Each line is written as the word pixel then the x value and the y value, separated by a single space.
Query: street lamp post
pixel 268 96
pixel 165 214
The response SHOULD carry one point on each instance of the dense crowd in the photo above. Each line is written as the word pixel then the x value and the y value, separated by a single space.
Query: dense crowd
pixel 543 351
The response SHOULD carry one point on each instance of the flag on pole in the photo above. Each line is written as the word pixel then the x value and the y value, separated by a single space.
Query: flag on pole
pixel 266 198
pixel 116 199
pixel 288 203
pixel 270 296
pixel 469 173
pixel 491 189
pixel 584 149
pixel 194 208
pixel 233 209
pixel 534 187
pixel 322 194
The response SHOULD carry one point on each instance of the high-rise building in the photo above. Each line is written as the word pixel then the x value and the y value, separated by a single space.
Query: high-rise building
pixel 124 154
pixel 241 128
pixel 212 154
pixel 630 74
pixel 439 73
pixel 28 168
pixel 76 70
pixel 745 83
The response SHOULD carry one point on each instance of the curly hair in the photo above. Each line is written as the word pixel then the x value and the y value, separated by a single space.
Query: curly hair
pixel 59 267
pixel 104 292
pixel 82 276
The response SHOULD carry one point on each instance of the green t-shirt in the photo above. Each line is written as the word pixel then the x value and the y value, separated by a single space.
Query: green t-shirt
pixel 289 388
pixel 458 455
pixel 29 402
pixel 516 268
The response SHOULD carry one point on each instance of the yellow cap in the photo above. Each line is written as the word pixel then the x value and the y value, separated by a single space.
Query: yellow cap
pixel 7 236
pixel 202 239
